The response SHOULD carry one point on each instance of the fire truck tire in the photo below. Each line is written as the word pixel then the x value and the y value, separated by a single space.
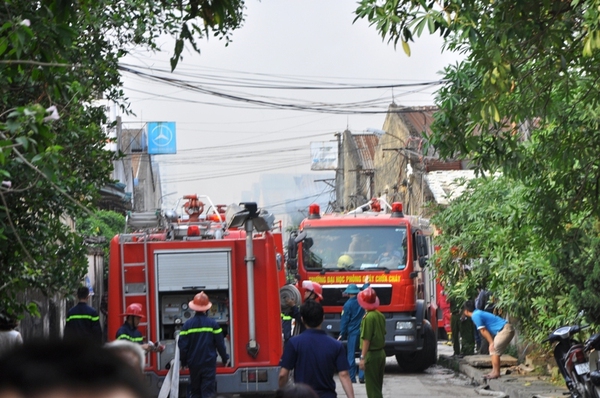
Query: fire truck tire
pixel 418 361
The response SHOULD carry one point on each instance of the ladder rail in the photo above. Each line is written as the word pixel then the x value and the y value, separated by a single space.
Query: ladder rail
pixel 144 264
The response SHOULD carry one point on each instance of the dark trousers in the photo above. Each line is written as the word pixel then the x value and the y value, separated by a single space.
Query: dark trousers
pixel 455 329
pixel 203 382
pixel 467 336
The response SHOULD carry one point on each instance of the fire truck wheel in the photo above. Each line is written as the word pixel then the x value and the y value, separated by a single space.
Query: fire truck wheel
pixel 420 360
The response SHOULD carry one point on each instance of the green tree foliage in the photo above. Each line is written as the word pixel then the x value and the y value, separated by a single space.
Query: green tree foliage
pixel 489 239
pixel 524 101
pixel 56 57
pixel 103 223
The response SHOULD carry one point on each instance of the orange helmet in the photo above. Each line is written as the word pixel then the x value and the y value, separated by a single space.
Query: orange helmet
pixel 314 287
pixel 200 302
pixel 368 299
pixel 134 309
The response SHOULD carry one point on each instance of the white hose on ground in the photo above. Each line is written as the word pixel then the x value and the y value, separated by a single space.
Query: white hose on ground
pixel 489 393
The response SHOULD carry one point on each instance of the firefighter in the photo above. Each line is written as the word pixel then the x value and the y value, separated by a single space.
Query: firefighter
pixel 312 291
pixel 129 331
pixel 83 321
pixel 199 340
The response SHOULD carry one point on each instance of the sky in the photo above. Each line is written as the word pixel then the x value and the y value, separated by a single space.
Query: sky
pixel 302 54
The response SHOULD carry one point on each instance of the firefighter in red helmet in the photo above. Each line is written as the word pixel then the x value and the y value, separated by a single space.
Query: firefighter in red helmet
pixel 129 330
pixel 312 291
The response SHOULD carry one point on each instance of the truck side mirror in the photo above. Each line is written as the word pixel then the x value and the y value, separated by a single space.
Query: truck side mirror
pixel 292 252
pixel 308 243
pixel 422 250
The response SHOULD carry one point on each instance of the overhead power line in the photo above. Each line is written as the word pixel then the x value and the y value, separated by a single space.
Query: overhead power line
pixel 371 106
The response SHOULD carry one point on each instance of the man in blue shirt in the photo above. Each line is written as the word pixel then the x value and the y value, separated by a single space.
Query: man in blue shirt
pixel 352 315
pixel 315 356
pixel 497 331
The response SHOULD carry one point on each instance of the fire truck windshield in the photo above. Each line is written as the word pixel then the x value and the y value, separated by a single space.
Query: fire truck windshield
pixel 354 248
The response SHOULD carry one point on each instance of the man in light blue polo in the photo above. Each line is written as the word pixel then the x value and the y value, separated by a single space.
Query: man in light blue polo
pixel 497 331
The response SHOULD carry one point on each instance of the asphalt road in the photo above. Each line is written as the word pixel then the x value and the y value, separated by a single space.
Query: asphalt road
pixel 435 382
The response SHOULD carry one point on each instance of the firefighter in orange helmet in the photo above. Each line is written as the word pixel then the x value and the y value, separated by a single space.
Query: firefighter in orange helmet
pixel 129 330
pixel 199 340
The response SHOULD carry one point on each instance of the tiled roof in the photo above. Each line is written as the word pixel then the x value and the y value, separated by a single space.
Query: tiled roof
pixel 446 185
pixel 366 145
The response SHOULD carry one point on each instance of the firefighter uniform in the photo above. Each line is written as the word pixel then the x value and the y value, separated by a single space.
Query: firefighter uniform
pixel 199 340
pixel 128 332
pixel 83 322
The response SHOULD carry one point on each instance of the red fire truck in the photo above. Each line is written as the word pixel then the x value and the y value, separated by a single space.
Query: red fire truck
pixel 232 254
pixel 390 250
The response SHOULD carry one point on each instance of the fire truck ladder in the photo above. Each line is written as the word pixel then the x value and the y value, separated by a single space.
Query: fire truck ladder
pixel 136 289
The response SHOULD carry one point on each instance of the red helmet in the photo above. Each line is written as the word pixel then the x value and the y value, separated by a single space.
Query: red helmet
pixel 134 309
pixel 368 299
pixel 200 303
pixel 314 287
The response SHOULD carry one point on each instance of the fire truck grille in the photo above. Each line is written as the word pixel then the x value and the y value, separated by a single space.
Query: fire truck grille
pixel 332 296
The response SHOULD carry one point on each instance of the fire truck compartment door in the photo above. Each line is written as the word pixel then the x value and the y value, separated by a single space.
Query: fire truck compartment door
pixel 193 271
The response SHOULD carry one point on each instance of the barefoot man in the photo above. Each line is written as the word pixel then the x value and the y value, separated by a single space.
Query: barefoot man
pixel 497 331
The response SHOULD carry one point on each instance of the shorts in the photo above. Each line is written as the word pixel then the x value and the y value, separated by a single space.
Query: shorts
pixel 502 339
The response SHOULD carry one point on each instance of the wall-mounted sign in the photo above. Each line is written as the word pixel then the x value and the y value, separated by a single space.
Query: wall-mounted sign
pixel 324 155
pixel 161 138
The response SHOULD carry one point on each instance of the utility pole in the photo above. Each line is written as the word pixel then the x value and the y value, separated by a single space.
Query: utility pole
pixel 339 174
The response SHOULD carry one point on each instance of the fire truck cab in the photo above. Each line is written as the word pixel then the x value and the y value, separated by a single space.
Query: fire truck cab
pixel 235 256
pixel 389 250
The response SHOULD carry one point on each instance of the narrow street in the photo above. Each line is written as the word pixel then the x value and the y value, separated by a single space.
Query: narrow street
pixel 435 382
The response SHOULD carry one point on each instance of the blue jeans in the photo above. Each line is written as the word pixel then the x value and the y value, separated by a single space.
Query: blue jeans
pixel 351 348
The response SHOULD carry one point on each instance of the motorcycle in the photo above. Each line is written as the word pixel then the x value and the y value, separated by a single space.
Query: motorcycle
pixel 572 361
pixel 592 348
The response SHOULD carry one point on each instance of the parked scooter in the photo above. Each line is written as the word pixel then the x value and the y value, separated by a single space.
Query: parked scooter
pixel 572 360
pixel 592 348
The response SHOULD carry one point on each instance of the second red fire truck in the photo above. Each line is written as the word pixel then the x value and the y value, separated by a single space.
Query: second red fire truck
pixel 388 249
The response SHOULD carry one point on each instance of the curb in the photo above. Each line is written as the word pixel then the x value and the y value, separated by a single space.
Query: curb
pixel 514 386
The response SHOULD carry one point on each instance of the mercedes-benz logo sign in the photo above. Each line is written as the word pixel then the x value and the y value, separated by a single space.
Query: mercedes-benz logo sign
pixel 161 135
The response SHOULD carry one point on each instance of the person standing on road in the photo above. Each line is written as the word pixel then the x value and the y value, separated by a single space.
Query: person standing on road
pixel 83 322
pixel 315 357
pixel 352 315
pixel 372 334
pixel 497 331
pixel 199 340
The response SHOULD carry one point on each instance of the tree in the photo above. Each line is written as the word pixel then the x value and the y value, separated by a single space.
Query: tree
pixel 524 101
pixel 488 239
pixel 56 58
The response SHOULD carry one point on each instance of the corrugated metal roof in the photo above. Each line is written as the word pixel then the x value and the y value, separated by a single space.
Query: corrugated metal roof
pixel 419 118
pixel 446 185
pixel 366 145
